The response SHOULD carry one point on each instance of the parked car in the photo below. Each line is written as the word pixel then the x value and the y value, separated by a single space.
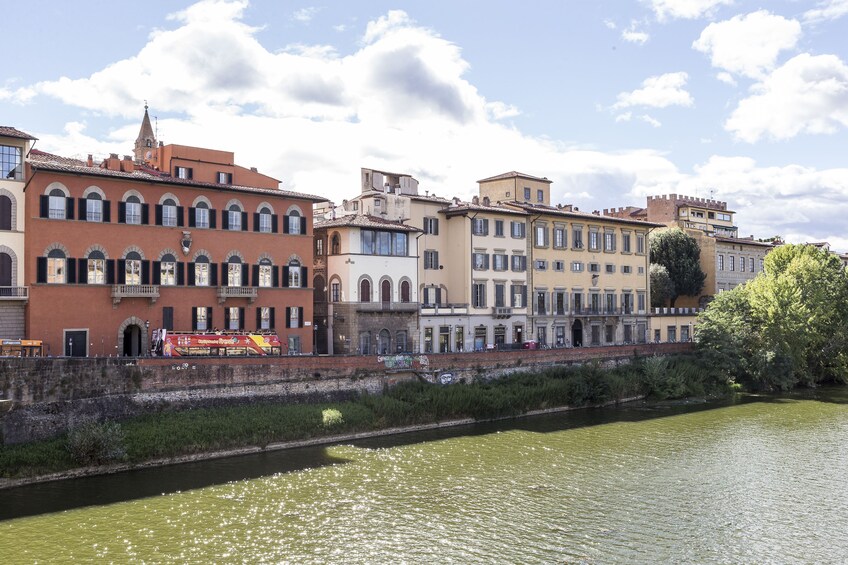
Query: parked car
pixel 532 344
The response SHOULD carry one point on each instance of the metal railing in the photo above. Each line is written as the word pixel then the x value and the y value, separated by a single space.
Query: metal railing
pixel 14 293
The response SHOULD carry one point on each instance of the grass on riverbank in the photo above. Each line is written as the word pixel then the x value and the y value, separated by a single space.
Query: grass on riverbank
pixel 169 434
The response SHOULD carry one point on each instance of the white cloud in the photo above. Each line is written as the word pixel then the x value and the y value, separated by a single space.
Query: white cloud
pixel 650 120
pixel 625 117
pixel 499 110
pixel 686 9
pixel 748 44
pixel 658 92
pixel 305 15
pixel 632 36
pixel 395 19
pixel 828 10
pixel 339 27
pixel 610 24
pixel 808 94
pixel 726 78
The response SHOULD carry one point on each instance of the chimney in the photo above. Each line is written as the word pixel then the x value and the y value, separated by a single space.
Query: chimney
pixel 253 169
pixel 475 200
pixel 486 201
pixel 90 161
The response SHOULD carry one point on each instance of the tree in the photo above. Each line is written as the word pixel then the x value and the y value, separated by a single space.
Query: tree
pixel 662 288
pixel 786 327
pixel 679 254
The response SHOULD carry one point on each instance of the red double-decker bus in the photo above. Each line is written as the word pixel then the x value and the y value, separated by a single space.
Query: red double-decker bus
pixel 181 344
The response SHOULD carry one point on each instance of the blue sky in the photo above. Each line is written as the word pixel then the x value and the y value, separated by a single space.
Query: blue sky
pixel 612 101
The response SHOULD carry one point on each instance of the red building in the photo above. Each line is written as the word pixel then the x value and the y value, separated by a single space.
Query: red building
pixel 178 238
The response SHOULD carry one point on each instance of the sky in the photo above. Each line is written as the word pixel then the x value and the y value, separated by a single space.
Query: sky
pixel 744 102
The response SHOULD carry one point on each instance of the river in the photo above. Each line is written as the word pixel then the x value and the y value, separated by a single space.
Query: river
pixel 758 480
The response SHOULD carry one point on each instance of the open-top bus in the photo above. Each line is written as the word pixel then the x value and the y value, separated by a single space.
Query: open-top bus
pixel 21 348
pixel 167 343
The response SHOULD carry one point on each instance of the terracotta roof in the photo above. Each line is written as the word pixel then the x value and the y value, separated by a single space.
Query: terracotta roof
pixel 8 131
pixel 364 221
pixel 516 174
pixel 465 207
pixel 39 160
pixel 744 241
pixel 545 209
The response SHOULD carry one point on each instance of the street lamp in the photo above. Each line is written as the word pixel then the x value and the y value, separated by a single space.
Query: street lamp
pixel 146 337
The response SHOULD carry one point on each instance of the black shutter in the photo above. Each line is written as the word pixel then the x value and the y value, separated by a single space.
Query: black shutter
pixel 209 317
pixel 300 316
pixel 244 221
pixel 285 224
pixel 275 276
pixel 225 280
pixel 157 272
pixel 213 275
pixel 225 220
pixel 194 319
pixel 82 271
pixel 288 317
pixel 436 226
pixel 168 317
pixel 190 217
pixel 69 208
pixel 259 318
pixel 285 276
pixel 180 216
pixel 72 270
pixel 41 270
pixel 241 318
pixel 181 274
pixel 256 221
pixel 110 271
pixel 44 208
pixel 122 271
pixel 158 215
pixel 275 228
pixel 438 295
pixel 272 323
pixel 145 272
pixel 213 219
pixel 191 274
pixel 255 270
pixel 303 277
pixel 122 212
pixel 82 204
pixel 107 211
pixel 244 274
pixel 303 225
pixel 226 318
pixel 145 214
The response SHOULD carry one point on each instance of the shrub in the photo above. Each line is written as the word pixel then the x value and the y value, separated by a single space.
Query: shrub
pixel 95 444
pixel 331 418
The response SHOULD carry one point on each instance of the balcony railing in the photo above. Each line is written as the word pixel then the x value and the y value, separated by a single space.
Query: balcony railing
pixel 14 293
pixel 444 309
pixel 387 307
pixel 226 292
pixel 501 312
pixel 121 291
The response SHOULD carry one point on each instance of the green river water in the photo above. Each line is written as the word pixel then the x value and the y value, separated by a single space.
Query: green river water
pixel 759 480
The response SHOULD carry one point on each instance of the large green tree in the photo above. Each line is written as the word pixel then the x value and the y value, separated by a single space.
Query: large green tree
pixel 786 327
pixel 679 254
pixel 662 288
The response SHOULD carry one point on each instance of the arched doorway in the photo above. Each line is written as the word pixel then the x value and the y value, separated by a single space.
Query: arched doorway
pixel 132 341
pixel 577 333
pixel 385 292
pixel 384 343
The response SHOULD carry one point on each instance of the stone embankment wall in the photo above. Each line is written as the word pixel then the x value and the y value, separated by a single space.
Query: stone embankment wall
pixel 43 397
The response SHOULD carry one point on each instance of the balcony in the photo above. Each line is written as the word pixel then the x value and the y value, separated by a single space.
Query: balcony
pixel 14 293
pixel 226 292
pixel 444 309
pixel 603 311
pixel 501 312
pixel 121 291
pixel 386 306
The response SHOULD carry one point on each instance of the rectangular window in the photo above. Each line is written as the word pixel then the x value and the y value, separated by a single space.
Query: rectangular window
pixel 294 317
pixel 183 172
pixel 428 340
pixel 431 226
pixel 480 226
pixel 540 265
pixel 762 265
pixel 594 267
pixel 294 276
pixel 519 292
pixel 559 237
pixel 480 261
pixel 609 241
pixel 671 332
pixel 57 208
pixel 167 273
pixel 627 302
pixel 540 195
pixel 201 274
pixel 233 274
pixel 132 270
pixel 265 318
pixel 367 238
pixel 499 262
pixel 720 262
pixel 500 295
pixel 609 303
pixel 384 243
pixel 577 238
pixel 626 269
pixel 499 228
pixel 541 236
pixel 609 332
pixel 640 301
pixel 224 178
pixel 266 275
pixel 732 260
pixel 594 240
pixel 10 163
pixel 478 295
pixel 519 263
pixel 93 210
pixel 202 318
pixel 169 215
pixel 640 243
pixel 517 229
pixel 96 271
pixel 625 242
pixel 526 193
pixel 610 269
pixel 559 266
pixel 560 303
pixel 201 217
pixel 234 220
pixel 265 223
pixel 742 264
pixel 576 267
pixel 400 245
pixel 234 319
pixel 540 302
pixel 335 292
pixel 431 259
pixel 751 264
pixel 133 213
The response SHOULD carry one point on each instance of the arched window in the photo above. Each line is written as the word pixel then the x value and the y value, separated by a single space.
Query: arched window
pixel 336 245
pixel 386 292
pixel 5 212
pixel 295 278
pixel 5 272
pixel 201 215
pixel 265 220
pixel 404 291
pixel 96 267
pixel 168 270
pixel 365 291
pixel 201 271
pixel 234 268
pixel 94 208
pixel 294 222
pixel 266 273
pixel 57 204
pixel 133 210
pixel 132 268
pixel 234 217
pixel 56 266
pixel 169 212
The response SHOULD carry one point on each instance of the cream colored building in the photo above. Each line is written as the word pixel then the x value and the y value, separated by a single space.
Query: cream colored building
pixel 14 148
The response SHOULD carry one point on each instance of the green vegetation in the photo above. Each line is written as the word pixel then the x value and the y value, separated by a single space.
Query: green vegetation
pixel 679 254
pixel 169 434
pixel 787 327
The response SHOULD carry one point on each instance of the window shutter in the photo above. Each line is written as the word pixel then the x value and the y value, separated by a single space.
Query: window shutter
pixel 213 275
pixel 44 208
pixel 226 318
pixel 285 276
pixel 191 274
pixel 300 316
pixel 41 270
pixel 288 317
pixel 244 221
pixel 303 225
pixel 145 272
pixel 158 215
pixel 303 274
pixel 436 226
pixel 485 227
pixel 122 212
pixel 274 224
pixel 194 319
pixel 110 271
pixel 255 270
pixel 244 275
pixel 69 208
pixel 256 221
pixel 213 219
pixel 271 320
pixel 122 271
pixel 241 317
pixel 258 317
pixel 82 212
pixel 82 271
pixel 438 295
pixel 225 220
pixel 180 214
pixel 209 317
pixel 71 265
pixel 275 273
pixel 107 211
pixel 157 272
pixel 168 317
pixel 225 280
pixel 181 274
pixel 285 224
pixel 191 216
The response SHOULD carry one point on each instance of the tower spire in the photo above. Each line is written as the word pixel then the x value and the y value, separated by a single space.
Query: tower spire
pixel 145 143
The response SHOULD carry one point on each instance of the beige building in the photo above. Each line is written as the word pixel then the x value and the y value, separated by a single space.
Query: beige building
pixel 14 148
